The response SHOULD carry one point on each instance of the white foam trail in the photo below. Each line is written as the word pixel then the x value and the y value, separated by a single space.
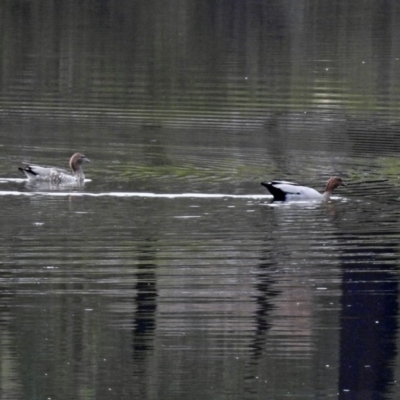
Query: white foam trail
pixel 17 180
pixel 21 180
pixel 136 194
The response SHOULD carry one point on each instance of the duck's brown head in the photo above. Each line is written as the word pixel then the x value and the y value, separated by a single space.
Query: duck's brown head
pixel 77 160
pixel 333 183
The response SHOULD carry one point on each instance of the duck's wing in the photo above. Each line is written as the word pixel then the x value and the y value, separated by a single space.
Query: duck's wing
pixel 276 182
pixel 38 172
pixel 280 189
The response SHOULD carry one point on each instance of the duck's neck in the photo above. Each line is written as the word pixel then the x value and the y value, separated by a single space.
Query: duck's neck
pixel 326 195
pixel 78 173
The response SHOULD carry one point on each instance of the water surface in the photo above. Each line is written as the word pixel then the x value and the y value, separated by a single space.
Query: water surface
pixel 170 274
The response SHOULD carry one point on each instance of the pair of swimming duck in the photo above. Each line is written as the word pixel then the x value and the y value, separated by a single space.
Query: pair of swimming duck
pixel 281 190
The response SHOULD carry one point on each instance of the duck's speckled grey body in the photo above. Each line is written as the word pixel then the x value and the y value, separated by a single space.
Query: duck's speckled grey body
pixel 58 175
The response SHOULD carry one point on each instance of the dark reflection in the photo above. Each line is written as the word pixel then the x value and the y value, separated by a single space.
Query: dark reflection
pixel 263 300
pixel 144 322
pixel 265 293
pixel 368 322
